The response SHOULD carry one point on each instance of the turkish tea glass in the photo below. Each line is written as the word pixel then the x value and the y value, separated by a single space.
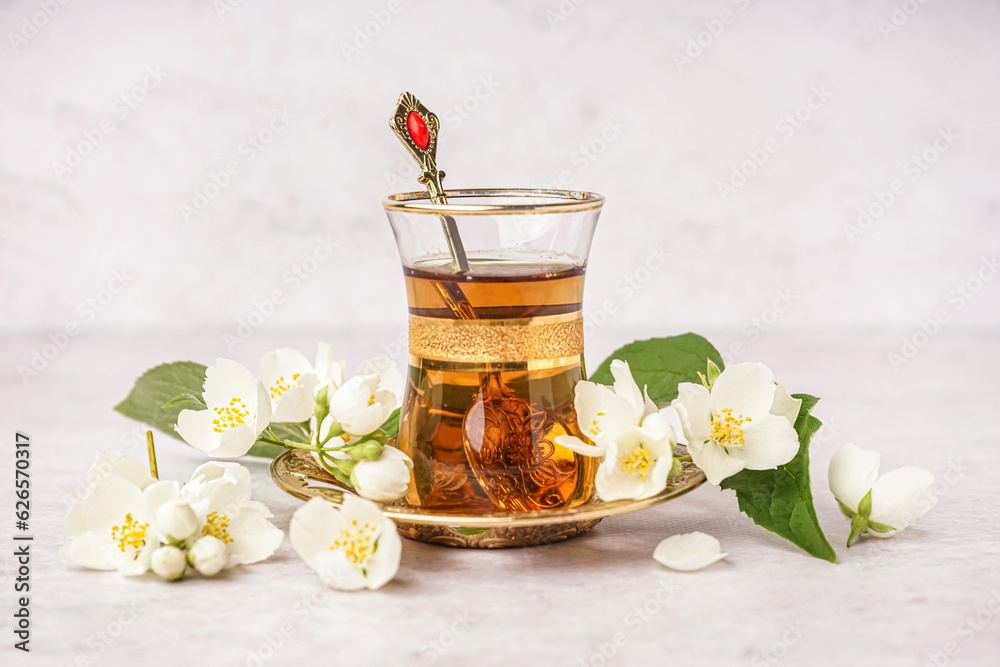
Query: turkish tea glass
pixel 496 350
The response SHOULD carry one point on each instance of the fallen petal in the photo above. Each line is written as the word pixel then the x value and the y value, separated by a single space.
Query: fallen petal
pixel 688 552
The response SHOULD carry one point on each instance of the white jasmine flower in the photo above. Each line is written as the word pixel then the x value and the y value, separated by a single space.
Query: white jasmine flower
pixel 290 381
pixel 208 555
pixel 689 551
pixel 385 479
pixel 219 495
pixel 884 505
pixel 638 461
pixel 744 421
pixel 238 411
pixel 604 413
pixel 634 439
pixel 352 547
pixel 360 406
pixel 390 378
pixel 108 526
pixel 169 562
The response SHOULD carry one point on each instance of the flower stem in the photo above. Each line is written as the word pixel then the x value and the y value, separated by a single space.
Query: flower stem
pixel 151 450
pixel 336 468
pixel 301 445
pixel 273 438
pixel 859 524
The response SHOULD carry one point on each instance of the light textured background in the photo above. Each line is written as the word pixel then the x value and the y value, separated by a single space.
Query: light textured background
pixel 520 94
pixel 554 89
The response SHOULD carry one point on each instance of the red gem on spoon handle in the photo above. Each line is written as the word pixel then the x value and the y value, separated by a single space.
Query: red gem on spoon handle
pixel 418 130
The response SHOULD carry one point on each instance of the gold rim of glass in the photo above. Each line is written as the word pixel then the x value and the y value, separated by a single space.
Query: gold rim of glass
pixel 568 201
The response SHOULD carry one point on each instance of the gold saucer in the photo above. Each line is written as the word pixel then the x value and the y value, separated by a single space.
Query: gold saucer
pixel 298 473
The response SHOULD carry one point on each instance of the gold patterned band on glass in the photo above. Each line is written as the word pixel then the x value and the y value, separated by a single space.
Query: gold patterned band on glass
pixel 431 365
pixel 528 339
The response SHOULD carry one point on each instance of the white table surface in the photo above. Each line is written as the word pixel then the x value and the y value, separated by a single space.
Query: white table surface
pixel 888 602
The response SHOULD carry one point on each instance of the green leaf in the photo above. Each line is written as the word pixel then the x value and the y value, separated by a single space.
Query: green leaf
pixel 186 402
pixel 781 500
pixel 265 450
pixel 391 425
pixel 288 431
pixel 162 392
pixel 283 431
pixel 469 531
pixel 156 388
pixel 660 364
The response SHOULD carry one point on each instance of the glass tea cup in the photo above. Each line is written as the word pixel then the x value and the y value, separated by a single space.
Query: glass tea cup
pixel 495 351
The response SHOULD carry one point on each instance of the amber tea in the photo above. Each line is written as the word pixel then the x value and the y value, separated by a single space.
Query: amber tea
pixel 482 433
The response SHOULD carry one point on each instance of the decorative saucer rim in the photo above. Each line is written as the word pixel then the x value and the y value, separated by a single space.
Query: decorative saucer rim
pixel 297 473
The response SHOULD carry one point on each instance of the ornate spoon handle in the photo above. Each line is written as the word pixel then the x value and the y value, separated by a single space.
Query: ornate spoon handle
pixel 418 129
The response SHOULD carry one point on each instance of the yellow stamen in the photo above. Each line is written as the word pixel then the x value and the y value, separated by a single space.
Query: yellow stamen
pixel 596 429
pixel 217 525
pixel 230 416
pixel 280 386
pixel 638 461
pixel 726 429
pixel 131 534
pixel 357 543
